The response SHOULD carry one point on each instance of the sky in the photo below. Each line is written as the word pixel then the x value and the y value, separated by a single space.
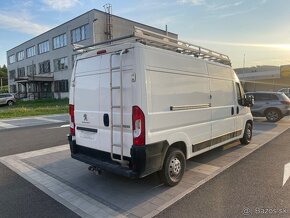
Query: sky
pixel 250 32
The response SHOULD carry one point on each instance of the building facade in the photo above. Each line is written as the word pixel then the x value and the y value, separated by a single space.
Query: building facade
pixel 41 67
pixel 264 78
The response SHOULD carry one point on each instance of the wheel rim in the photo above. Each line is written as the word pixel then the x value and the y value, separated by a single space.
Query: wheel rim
pixel 174 169
pixel 273 115
pixel 249 132
pixel 10 103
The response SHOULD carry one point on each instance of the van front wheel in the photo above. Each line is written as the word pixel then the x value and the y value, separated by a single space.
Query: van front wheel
pixel 173 167
pixel 247 134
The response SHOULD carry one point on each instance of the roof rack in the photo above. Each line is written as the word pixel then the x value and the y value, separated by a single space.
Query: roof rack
pixel 165 42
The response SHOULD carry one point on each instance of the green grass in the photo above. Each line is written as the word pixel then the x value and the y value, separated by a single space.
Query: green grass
pixel 4 89
pixel 34 108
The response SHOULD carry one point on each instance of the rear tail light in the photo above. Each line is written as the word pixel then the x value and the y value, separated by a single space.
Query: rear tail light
pixel 285 102
pixel 72 119
pixel 138 120
pixel 101 52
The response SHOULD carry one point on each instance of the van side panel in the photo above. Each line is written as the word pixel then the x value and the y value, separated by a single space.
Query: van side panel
pixel 177 81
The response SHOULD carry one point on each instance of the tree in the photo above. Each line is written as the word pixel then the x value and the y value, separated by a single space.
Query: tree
pixel 3 71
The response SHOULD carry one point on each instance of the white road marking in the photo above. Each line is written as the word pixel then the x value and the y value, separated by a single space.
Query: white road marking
pixel 251 146
pixel 7 125
pixel 78 202
pixel 286 173
pixel 204 168
pixel 57 127
pixel 49 120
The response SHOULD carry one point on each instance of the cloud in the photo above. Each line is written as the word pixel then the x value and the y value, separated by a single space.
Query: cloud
pixel 161 22
pixel 217 7
pixel 61 5
pixel 21 23
pixel 224 15
pixel 193 2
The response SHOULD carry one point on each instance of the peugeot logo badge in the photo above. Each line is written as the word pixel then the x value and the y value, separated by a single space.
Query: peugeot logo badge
pixel 85 117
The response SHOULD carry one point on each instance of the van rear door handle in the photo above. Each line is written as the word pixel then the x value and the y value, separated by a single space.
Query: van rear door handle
pixel 233 110
pixel 238 110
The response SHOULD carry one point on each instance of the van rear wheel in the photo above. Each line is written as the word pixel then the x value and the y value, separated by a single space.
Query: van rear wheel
pixel 173 167
pixel 248 133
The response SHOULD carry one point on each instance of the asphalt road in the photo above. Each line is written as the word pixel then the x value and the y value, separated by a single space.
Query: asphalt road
pixel 18 197
pixel 250 188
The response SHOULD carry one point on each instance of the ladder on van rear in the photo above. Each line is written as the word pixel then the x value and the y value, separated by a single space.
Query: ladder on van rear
pixel 119 107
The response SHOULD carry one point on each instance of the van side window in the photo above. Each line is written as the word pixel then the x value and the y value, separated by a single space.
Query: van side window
pixel 239 94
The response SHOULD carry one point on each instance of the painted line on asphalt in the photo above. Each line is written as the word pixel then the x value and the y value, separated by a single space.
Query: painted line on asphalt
pixel 7 125
pixel 57 127
pixel 204 168
pixel 49 120
pixel 286 173
pixel 73 199
pixel 228 146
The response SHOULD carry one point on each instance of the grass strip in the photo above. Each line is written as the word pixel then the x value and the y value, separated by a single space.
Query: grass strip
pixel 34 108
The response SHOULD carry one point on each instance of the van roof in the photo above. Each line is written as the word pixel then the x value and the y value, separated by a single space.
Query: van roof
pixel 126 45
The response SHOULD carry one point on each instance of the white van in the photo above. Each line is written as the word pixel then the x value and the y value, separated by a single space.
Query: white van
pixel 149 103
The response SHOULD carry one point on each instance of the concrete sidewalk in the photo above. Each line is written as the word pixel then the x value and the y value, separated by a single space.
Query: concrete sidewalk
pixel 33 121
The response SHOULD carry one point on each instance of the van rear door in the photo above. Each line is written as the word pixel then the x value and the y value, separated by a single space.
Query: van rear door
pixel 93 102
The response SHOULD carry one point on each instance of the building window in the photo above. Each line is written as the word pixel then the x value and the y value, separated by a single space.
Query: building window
pixel 20 56
pixel 13 88
pixel 12 74
pixel 31 70
pixel 11 59
pixel 43 47
pixel 61 86
pixel 59 41
pixel 30 52
pixel 60 64
pixel 21 72
pixel 74 57
pixel 80 33
pixel 44 67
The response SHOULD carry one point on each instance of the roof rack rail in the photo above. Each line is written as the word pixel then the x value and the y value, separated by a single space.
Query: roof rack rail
pixel 165 42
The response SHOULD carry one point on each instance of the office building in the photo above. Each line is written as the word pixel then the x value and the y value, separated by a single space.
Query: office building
pixel 41 67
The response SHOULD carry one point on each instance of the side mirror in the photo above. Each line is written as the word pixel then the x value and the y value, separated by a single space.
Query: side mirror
pixel 249 100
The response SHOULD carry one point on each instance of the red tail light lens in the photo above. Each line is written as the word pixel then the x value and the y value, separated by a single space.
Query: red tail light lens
pixel 101 52
pixel 285 102
pixel 138 120
pixel 72 119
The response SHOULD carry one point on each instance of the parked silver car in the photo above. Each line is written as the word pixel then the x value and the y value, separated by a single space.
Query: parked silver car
pixel 272 105
pixel 7 98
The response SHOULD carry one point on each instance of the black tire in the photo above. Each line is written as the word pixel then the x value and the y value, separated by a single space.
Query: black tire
pixel 248 133
pixel 10 103
pixel 173 167
pixel 273 115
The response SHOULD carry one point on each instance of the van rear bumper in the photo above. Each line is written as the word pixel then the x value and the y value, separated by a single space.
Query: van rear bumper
pixel 144 160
